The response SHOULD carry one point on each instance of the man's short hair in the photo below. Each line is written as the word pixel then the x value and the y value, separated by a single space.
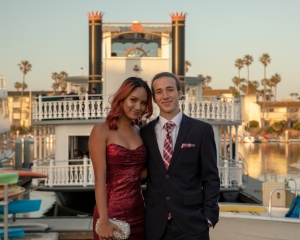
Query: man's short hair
pixel 166 74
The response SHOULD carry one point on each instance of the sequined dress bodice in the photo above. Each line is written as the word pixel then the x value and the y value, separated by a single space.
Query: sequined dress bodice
pixel 123 187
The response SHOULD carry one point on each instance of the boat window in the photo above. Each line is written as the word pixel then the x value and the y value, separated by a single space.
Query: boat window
pixel 78 147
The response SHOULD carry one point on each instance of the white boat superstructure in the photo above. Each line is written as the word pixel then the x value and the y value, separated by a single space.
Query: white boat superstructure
pixel 5 143
pixel 67 121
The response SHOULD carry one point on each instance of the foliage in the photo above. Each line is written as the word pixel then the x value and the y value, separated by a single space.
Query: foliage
pixel 296 126
pixel 22 129
pixel 59 80
pixel 187 65
pixel 24 67
pixel 234 92
pixel 279 127
pixel 17 85
pixel 253 124
pixel 268 130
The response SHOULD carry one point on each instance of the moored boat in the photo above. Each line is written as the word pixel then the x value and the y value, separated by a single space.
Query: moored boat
pixel 70 119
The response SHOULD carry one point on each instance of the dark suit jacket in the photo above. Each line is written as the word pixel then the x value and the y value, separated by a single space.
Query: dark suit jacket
pixel 189 189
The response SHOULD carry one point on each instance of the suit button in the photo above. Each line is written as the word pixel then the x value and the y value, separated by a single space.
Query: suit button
pixel 167 176
pixel 168 198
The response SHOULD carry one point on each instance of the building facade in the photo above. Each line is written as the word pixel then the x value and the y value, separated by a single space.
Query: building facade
pixel 18 116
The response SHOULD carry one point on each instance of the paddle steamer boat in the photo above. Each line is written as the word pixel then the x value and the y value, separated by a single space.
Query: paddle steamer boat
pixel 117 51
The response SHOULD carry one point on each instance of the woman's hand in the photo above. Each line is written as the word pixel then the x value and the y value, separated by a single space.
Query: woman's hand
pixel 105 230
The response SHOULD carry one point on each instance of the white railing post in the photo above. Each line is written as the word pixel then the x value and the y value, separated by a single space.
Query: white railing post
pixel 40 108
pixel 226 174
pixel 85 171
pixel 86 106
pixel 34 143
pixel 51 173
pixel 232 109
pixel 186 105
pixel 240 173
pixel 34 182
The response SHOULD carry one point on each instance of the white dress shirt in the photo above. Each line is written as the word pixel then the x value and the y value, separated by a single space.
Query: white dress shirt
pixel 161 132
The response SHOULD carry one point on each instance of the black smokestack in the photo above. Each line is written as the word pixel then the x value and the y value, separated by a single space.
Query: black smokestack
pixel 178 46
pixel 95 51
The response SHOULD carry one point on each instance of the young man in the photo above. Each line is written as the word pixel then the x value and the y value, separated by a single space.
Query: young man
pixel 183 182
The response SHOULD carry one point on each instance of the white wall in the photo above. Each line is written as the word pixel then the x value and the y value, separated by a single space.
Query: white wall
pixel 117 69
pixel 250 109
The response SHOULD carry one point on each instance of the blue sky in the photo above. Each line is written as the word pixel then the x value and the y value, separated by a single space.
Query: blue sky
pixel 53 36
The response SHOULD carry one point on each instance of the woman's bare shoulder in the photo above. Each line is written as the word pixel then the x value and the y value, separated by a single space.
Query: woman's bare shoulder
pixel 100 129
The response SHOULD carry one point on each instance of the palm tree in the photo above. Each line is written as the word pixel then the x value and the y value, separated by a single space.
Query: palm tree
pixel 265 60
pixel 187 65
pixel 55 86
pixel 293 94
pixel 17 85
pixel 248 61
pixel 236 81
pixel 239 64
pixel 234 92
pixel 63 82
pixel 59 78
pixel 24 67
pixel 275 79
pixel 24 86
pixel 207 81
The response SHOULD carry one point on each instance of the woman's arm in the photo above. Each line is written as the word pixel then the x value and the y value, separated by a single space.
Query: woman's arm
pixel 97 149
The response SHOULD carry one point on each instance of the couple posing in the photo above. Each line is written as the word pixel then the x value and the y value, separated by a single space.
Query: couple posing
pixel 175 153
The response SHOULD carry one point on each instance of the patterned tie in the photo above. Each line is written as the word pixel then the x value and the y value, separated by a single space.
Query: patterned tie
pixel 168 148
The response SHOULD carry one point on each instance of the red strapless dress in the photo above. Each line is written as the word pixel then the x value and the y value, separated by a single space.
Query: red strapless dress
pixel 124 195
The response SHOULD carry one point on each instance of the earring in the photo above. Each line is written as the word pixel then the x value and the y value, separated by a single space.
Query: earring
pixel 120 115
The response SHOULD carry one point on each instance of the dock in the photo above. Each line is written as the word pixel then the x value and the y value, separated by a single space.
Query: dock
pixel 60 228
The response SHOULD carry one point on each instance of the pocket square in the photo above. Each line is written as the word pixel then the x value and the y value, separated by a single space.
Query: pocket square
pixel 187 145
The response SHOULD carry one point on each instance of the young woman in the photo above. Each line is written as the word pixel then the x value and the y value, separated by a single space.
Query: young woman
pixel 118 157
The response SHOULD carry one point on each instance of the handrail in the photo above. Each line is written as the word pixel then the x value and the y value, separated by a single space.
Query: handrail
pixel 296 186
pixel 276 189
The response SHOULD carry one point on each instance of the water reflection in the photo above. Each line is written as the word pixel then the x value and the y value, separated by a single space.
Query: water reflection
pixel 269 162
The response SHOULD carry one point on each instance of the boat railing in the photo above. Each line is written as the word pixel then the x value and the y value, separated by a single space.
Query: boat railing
pixel 230 173
pixel 63 108
pixel 244 163
pixel 76 172
pixel 80 172
pixel 277 189
pixel 45 160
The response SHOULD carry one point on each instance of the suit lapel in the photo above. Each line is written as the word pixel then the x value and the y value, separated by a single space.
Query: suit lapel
pixel 155 144
pixel 183 130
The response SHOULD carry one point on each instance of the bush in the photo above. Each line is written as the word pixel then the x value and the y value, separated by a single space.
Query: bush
pixel 22 130
pixel 296 126
pixel 279 127
pixel 253 124
pixel 268 130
